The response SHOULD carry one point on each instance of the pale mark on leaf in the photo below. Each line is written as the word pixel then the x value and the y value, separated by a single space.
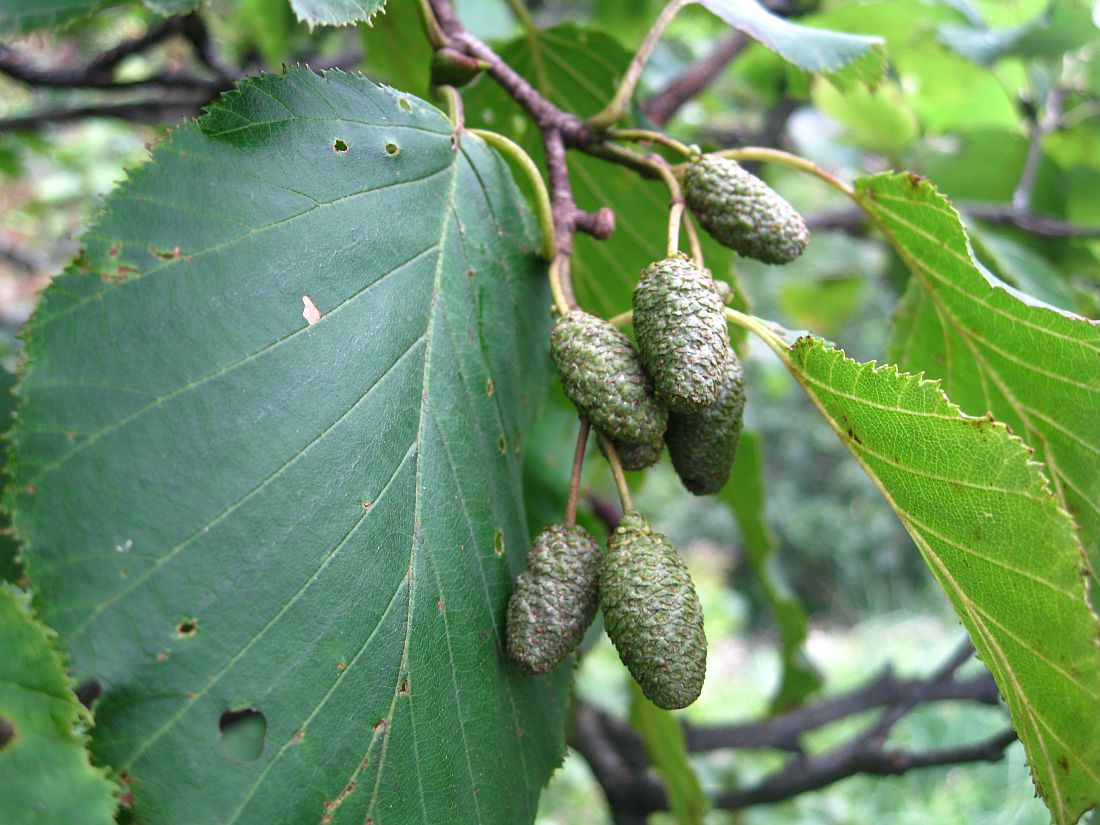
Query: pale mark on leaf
pixel 310 311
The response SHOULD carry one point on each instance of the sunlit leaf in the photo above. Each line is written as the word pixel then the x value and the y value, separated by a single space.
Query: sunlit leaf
pixel 994 536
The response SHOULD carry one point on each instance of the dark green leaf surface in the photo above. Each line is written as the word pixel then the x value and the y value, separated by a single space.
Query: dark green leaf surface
pixel 604 272
pixel 1032 366
pixel 843 57
pixel 995 537
pixel 45 775
pixel 745 495
pixel 228 507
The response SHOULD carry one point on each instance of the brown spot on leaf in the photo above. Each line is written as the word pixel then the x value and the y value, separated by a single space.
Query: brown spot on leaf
pixel 366 505
pixel 172 254
pixel 489 387
pixel 379 725
pixel 914 179
pixel 7 732
pixel 341 666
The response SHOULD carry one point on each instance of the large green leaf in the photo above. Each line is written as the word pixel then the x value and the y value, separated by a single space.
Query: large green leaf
pixel 1032 366
pixel 663 737
pixel 268 464
pixel 842 57
pixel 745 495
pixel 45 775
pixel 996 539
pixel 578 69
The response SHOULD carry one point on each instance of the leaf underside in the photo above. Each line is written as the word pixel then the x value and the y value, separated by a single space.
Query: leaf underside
pixel 337 12
pixel 268 457
pixel 844 58
pixel 996 539
pixel 45 775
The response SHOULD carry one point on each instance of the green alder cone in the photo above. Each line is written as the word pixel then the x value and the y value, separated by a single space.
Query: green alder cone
pixel 683 338
pixel 555 599
pixel 652 614
pixel 636 456
pixel 603 377
pixel 702 445
pixel 742 212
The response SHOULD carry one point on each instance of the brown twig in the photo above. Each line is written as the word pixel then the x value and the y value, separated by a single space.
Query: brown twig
pixel 663 105
pixel 575 476
pixel 609 744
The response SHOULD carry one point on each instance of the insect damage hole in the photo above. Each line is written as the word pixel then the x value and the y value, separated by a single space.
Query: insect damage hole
pixel 403 102
pixel 7 732
pixel 339 146
pixel 243 734
pixel 392 149
pixel 498 542
pixel 187 627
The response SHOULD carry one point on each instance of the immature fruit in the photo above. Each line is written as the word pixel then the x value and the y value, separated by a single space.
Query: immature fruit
pixel 652 614
pixel 680 324
pixel 744 213
pixel 702 444
pixel 636 456
pixel 555 598
pixel 603 377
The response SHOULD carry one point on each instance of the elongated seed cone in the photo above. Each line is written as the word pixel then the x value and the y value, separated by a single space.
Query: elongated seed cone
pixel 742 212
pixel 603 377
pixel 702 445
pixel 680 324
pixel 636 456
pixel 652 614
pixel 555 598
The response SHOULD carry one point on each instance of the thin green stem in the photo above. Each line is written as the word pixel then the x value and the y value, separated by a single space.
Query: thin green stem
pixel 542 196
pixel 575 478
pixel 617 471
pixel 676 209
pixel 453 100
pixel 523 15
pixel 431 26
pixel 787 159
pixel 622 319
pixel 693 240
pixel 763 331
pixel 617 107
pixel 648 136
pixel 554 274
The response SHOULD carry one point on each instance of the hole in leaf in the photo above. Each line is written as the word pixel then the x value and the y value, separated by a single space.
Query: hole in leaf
pixel 403 102
pixel 88 692
pixel 498 542
pixel 339 146
pixel 7 732
pixel 243 734
pixel 392 149
pixel 187 627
